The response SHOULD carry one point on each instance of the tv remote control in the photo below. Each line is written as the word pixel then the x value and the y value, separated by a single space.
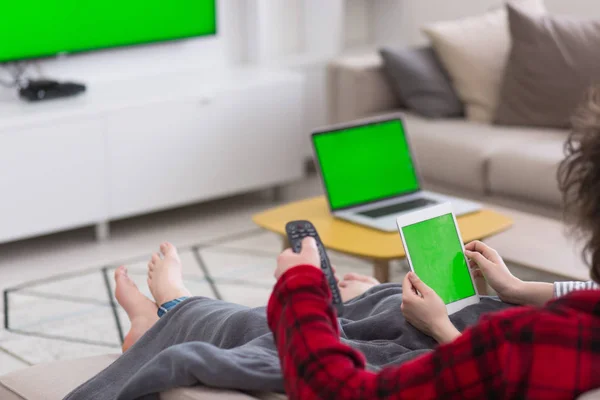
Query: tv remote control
pixel 296 232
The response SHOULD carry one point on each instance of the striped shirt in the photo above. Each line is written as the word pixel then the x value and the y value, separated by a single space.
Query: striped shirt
pixel 563 288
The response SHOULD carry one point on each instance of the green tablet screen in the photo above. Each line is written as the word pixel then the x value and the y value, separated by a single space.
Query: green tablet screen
pixel 437 258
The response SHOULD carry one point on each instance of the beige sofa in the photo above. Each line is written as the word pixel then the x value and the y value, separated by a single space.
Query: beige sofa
pixel 54 381
pixel 508 166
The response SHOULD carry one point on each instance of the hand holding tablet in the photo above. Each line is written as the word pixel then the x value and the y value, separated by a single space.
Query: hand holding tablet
pixel 435 253
pixel 425 310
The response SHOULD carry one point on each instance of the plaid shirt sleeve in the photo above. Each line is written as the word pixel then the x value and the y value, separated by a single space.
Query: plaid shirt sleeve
pixel 495 359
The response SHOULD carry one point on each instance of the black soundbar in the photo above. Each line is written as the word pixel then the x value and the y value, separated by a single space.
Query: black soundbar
pixel 40 90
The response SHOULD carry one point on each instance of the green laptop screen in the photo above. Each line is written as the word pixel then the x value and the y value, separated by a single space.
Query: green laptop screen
pixel 437 258
pixel 365 163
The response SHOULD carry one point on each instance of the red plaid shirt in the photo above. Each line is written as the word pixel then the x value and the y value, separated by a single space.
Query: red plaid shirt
pixel 524 352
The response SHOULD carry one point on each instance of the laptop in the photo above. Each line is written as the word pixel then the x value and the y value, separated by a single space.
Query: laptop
pixel 369 173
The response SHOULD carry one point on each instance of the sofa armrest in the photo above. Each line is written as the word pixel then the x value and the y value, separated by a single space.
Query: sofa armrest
pixel 53 381
pixel 358 88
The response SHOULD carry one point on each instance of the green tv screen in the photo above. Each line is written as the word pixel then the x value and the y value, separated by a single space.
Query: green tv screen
pixel 42 28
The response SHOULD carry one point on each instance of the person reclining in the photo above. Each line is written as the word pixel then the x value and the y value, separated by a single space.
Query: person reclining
pixel 298 276
pixel 551 351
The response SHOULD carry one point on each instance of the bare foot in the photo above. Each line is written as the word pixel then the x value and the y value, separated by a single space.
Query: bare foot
pixel 165 276
pixel 353 285
pixel 142 312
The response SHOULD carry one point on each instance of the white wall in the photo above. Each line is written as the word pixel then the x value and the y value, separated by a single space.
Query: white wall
pixel 582 8
pixel 323 26
pixel 402 26
pixel 357 29
pixel 273 29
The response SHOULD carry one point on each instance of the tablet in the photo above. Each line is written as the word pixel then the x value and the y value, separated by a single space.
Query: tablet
pixel 435 253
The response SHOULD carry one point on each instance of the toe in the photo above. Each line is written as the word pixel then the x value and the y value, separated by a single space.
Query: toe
pixel 120 271
pixel 150 266
pixel 126 281
pixel 121 276
pixel 169 250
pixel 125 288
pixel 155 258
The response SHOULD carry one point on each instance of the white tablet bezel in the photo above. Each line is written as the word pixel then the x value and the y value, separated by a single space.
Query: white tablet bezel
pixel 429 213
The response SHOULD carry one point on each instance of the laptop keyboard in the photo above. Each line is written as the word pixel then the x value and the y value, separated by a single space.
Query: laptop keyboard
pixel 397 208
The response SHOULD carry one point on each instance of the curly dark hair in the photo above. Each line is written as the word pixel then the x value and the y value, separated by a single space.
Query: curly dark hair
pixel 579 179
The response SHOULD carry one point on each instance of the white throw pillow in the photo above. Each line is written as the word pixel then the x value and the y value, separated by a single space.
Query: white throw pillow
pixel 474 51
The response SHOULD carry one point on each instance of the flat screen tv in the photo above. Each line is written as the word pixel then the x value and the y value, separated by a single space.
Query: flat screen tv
pixel 44 28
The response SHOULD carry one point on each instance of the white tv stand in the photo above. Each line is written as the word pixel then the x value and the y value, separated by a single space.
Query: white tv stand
pixel 137 146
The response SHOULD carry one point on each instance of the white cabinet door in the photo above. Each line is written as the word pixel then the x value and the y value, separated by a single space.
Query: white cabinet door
pixel 51 178
pixel 179 152
pixel 159 155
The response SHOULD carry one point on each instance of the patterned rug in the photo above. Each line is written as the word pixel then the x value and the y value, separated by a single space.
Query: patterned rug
pixel 76 314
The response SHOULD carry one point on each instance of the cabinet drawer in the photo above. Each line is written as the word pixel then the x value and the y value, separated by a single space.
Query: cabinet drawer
pixel 179 152
pixel 158 155
pixel 51 178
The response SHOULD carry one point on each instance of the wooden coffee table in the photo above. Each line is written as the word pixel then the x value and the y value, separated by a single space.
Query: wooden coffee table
pixel 367 243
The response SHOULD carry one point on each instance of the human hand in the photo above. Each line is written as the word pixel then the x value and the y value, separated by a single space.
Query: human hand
pixel 309 255
pixel 425 310
pixel 486 262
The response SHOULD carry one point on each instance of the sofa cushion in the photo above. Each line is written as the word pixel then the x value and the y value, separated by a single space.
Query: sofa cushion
pixel 421 83
pixel 529 171
pixel 553 61
pixel 53 381
pixel 474 51
pixel 6 394
pixel 204 393
pixel 591 395
pixel 456 152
